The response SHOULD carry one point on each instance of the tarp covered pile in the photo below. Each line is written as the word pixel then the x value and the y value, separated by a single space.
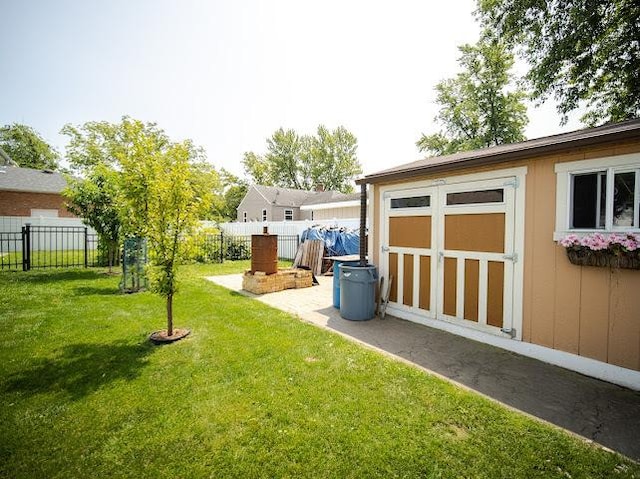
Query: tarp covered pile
pixel 337 241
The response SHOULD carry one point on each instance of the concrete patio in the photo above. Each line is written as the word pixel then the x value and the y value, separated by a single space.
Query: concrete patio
pixel 599 411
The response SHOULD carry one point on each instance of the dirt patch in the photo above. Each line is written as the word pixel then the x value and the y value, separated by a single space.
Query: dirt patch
pixel 161 337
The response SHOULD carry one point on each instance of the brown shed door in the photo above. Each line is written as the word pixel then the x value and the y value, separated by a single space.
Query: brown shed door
pixel 452 255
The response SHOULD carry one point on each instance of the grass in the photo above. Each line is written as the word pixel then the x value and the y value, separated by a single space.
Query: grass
pixel 253 392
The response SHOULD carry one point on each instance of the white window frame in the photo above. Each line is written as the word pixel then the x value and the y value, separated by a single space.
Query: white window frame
pixel 610 164
pixel 244 216
pixel 264 214
pixel 288 212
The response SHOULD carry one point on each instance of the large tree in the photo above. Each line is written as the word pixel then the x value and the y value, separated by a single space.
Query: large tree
pixel 581 52
pixel 27 148
pixel 480 107
pixel 303 162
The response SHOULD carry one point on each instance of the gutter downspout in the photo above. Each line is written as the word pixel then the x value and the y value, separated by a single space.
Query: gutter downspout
pixel 363 223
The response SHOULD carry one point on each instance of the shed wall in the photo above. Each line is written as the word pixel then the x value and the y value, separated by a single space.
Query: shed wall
pixel 588 311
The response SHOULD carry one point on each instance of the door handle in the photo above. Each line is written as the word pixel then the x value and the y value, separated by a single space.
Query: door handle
pixel 385 249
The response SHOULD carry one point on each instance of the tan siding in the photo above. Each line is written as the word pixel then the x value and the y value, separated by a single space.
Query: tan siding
pixel 350 212
pixel 566 330
pixel 624 328
pixel 594 309
pixel 541 221
pixel 582 310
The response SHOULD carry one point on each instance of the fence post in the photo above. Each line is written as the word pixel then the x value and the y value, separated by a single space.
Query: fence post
pixel 26 247
pixel 222 246
pixel 85 248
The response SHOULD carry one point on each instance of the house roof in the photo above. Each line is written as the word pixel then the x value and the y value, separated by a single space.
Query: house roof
pixel 514 151
pixel 283 196
pixel 13 178
pixel 324 197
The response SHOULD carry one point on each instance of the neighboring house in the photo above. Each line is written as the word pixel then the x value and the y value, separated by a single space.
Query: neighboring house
pixel 270 203
pixel 29 192
pixel 472 241
pixel 328 205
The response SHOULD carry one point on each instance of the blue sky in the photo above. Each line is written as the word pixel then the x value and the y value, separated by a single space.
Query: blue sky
pixel 227 74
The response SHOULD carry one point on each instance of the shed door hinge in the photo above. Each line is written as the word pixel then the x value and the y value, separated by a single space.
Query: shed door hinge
pixel 511 257
pixel 515 182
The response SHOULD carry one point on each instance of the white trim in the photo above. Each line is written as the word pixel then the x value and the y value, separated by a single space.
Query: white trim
pixel 590 367
pixel 328 206
pixel 285 214
pixel 563 190
pixel 515 194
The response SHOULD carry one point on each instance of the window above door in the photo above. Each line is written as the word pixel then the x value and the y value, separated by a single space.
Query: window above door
pixel 598 195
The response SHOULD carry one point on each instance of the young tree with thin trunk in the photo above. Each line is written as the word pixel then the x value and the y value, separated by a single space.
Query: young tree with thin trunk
pixel 164 194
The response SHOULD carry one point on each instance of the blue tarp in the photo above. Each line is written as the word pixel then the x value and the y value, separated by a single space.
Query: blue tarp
pixel 338 242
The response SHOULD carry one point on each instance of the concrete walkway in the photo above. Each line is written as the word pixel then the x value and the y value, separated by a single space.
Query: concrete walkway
pixel 600 411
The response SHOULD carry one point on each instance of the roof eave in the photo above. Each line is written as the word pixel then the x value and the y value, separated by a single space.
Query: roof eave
pixel 502 157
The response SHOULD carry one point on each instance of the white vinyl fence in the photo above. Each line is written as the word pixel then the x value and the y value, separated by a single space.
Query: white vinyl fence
pixel 285 227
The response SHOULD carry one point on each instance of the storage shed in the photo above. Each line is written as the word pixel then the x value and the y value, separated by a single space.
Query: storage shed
pixel 472 241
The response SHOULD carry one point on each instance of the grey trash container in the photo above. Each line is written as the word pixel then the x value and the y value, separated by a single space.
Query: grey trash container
pixel 358 292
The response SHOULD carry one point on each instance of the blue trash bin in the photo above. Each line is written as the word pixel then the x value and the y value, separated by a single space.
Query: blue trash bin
pixel 358 292
pixel 336 280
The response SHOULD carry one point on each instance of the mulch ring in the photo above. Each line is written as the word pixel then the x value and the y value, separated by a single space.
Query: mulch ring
pixel 161 337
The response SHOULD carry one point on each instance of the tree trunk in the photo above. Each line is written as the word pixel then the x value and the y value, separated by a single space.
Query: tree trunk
pixel 170 315
pixel 110 256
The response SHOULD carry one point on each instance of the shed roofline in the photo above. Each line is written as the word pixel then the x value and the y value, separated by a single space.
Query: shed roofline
pixel 516 151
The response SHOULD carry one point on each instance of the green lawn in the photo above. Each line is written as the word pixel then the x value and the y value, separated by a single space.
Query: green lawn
pixel 253 392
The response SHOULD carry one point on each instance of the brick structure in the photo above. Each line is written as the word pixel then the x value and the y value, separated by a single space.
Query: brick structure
pixel 23 190
pixel 260 283
pixel 20 203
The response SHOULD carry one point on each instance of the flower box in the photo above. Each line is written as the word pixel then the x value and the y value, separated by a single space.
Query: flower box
pixel 609 251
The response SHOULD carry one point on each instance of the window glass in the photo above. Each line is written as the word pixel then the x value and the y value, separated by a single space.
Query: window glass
pixel 588 209
pixel 623 198
pixel 475 197
pixel 411 202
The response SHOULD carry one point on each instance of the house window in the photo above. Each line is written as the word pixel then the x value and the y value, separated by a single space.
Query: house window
pixel 599 194
pixel 244 216
pixel 288 215
pixel 264 215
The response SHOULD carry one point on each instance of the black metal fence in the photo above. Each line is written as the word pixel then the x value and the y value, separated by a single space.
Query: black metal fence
pixel 210 248
pixel 38 247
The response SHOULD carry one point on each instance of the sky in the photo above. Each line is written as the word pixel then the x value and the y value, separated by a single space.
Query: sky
pixel 227 74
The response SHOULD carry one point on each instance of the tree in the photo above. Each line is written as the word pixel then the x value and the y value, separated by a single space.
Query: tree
pixel 477 107
pixel 581 52
pixel 164 198
pixel 234 190
pixel 27 148
pixel 303 162
pixel 94 199
pixel 334 159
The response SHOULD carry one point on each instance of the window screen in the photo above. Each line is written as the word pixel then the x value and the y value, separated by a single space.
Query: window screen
pixel 411 202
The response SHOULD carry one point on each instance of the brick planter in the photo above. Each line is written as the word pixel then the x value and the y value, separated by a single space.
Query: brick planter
pixel 260 283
